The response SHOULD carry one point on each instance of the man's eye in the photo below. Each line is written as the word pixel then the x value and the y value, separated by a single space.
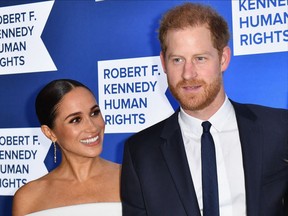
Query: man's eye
pixel 200 59
pixel 177 60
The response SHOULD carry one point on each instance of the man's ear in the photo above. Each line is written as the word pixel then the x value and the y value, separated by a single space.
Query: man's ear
pixel 225 58
pixel 48 133
pixel 162 58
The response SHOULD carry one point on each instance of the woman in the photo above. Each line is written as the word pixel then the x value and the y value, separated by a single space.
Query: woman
pixel 70 116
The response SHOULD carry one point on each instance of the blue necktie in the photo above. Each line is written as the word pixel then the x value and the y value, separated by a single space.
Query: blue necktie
pixel 209 173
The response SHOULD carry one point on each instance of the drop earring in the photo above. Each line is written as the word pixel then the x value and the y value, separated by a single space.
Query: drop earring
pixel 55 152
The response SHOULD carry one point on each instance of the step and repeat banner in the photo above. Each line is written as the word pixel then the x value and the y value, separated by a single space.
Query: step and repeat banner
pixel 112 47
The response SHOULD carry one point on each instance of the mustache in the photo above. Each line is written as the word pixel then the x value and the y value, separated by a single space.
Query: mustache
pixel 195 82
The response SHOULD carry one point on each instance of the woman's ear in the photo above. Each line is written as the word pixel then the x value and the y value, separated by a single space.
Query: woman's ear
pixel 48 133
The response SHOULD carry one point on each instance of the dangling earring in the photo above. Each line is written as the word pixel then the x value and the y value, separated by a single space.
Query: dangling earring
pixel 55 152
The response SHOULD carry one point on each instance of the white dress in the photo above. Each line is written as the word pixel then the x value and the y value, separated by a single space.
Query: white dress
pixel 90 209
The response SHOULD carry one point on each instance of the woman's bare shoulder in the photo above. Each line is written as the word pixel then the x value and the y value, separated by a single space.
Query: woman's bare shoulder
pixel 25 196
pixel 29 188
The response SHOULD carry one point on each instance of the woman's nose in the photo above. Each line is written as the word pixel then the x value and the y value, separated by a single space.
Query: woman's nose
pixel 91 124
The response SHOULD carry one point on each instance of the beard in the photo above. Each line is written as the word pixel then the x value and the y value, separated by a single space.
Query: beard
pixel 200 100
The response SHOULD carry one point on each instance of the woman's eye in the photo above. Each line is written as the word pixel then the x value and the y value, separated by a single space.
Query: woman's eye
pixel 95 113
pixel 75 120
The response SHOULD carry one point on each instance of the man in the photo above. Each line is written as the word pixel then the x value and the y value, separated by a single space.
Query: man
pixel 165 167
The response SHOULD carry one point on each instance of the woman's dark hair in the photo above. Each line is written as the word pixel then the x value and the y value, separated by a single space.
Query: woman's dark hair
pixel 49 97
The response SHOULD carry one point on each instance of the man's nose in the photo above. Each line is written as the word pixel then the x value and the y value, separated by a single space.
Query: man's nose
pixel 189 71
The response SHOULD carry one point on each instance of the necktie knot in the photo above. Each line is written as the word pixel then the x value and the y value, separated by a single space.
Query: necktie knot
pixel 206 126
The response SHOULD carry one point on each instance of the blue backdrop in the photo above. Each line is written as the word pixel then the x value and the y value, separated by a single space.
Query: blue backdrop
pixel 80 34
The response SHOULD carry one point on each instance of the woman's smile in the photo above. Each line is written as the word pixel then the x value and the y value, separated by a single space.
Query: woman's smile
pixel 89 140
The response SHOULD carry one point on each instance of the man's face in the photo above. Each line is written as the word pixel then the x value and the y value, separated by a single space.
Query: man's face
pixel 194 68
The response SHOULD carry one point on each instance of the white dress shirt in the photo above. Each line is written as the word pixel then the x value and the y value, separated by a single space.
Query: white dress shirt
pixel 230 172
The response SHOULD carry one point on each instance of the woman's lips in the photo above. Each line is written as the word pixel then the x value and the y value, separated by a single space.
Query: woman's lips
pixel 89 140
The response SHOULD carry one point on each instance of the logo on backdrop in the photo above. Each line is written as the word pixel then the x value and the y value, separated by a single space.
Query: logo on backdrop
pixel 132 93
pixel 22 154
pixel 21 47
pixel 259 26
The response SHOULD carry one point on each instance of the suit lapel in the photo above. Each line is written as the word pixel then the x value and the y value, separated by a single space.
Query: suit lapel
pixel 250 137
pixel 175 157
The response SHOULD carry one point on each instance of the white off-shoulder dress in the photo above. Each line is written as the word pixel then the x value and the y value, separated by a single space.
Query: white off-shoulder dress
pixel 89 209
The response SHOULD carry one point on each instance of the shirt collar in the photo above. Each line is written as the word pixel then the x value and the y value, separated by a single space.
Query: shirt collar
pixel 222 116
pixel 218 120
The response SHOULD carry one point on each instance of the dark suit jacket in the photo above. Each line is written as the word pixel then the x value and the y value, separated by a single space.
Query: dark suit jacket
pixel 156 179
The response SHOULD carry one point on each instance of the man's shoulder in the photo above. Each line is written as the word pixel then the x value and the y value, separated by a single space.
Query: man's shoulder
pixel 260 111
pixel 155 131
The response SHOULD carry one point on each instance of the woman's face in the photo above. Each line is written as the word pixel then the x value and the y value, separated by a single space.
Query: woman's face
pixel 79 125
